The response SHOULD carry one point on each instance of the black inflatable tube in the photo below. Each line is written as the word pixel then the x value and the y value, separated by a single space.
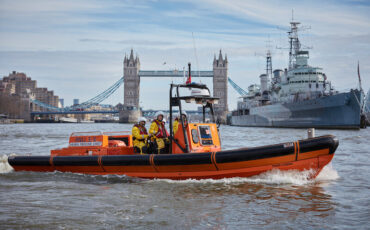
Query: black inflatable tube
pixel 76 161
pixel 257 153
pixel 29 160
pixel 125 160
pixel 319 143
pixel 183 159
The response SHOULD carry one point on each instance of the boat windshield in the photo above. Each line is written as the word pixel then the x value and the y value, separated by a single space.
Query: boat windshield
pixel 80 134
pixel 117 133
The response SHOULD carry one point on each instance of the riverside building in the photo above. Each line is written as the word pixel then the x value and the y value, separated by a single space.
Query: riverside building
pixel 16 92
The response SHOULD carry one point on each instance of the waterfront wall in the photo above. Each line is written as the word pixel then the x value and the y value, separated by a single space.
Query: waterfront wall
pixel 15 107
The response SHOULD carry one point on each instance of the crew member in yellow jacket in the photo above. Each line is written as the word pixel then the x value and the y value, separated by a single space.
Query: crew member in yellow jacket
pixel 177 122
pixel 159 133
pixel 140 135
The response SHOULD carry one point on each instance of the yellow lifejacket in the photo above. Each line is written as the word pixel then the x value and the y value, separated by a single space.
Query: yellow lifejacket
pixel 139 134
pixel 175 126
pixel 159 133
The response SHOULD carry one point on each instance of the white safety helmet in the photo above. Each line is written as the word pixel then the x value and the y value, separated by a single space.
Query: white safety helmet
pixel 141 119
pixel 178 114
pixel 159 113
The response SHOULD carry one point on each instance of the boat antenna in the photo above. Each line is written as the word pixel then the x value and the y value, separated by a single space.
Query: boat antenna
pixel 196 56
pixel 184 76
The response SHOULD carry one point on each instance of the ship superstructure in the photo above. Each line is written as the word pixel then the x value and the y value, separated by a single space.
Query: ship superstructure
pixel 298 96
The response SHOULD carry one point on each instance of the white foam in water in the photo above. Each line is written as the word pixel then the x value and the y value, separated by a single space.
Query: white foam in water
pixel 4 165
pixel 328 173
pixel 271 177
pixel 276 177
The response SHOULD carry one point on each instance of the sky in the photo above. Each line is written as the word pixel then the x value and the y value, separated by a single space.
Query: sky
pixel 76 47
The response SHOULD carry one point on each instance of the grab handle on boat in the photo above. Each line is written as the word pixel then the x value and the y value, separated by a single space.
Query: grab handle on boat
pixel 311 132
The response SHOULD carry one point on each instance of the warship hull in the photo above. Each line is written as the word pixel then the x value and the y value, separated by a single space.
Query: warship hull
pixel 339 111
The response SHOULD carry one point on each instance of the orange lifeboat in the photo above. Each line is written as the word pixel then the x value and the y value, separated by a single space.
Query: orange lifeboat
pixel 194 151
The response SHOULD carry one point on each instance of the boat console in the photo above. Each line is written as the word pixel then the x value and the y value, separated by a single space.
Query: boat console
pixel 202 137
pixel 193 137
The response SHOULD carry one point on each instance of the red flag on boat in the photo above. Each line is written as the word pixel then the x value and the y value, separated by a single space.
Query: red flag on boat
pixel 188 80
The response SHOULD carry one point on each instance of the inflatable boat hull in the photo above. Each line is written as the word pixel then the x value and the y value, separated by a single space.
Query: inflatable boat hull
pixel 306 154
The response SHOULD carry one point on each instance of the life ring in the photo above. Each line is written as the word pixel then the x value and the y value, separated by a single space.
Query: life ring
pixel 116 143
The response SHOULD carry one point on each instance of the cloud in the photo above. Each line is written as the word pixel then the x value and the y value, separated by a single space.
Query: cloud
pixel 327 16
pixel 132 42
pixel 84 42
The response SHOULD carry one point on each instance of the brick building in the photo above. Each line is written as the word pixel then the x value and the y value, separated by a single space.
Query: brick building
pixel 16 90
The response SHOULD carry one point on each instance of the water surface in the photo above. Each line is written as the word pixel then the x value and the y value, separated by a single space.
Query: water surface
pixel 337 199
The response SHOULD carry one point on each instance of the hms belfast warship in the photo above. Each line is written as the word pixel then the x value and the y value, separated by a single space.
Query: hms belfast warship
pixel 298 97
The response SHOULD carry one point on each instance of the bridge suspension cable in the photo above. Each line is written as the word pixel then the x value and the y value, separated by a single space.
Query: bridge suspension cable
pixel 241 91
pixel 102 96
pixel 44 105
pixel 108 92
pixel 93 101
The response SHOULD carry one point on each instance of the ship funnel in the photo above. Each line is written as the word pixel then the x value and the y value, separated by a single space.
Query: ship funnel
pixel 278 74
pixel 264 83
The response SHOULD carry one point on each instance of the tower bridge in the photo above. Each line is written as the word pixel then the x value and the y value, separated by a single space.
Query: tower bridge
pixel 131 81
pixel 133 75
pixel 173 73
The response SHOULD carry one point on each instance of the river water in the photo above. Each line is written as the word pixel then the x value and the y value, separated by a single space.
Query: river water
pixel 339 198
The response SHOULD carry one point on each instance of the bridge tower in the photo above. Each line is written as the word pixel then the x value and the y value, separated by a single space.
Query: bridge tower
pixel 131 110
pixel 220 72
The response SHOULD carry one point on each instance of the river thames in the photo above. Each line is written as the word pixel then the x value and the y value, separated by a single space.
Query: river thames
pixel 339 198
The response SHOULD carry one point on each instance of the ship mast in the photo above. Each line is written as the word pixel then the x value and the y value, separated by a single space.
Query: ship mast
pixel 268 65
pixel 268 60
pixel 294 43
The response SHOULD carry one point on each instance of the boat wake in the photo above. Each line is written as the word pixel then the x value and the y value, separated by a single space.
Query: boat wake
pixel 273 177
pixel 4 165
